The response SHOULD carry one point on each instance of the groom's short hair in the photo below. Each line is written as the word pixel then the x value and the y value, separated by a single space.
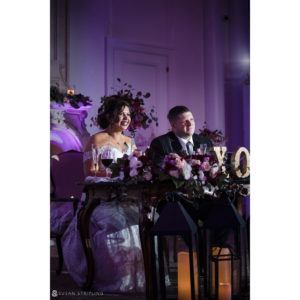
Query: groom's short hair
pixel 176 111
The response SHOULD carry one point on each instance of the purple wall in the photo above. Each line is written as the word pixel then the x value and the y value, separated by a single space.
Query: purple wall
pixel 226 39
pixel 209 66
pixel 210 62
pixel 237 71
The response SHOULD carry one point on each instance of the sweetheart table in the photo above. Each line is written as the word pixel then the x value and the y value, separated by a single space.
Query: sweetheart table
pixel 146 194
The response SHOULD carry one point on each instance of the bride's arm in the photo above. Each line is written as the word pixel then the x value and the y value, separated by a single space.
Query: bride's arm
pixel 88 164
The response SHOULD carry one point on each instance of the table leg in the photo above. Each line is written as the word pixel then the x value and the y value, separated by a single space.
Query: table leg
pixel 145 227
pixel 83 223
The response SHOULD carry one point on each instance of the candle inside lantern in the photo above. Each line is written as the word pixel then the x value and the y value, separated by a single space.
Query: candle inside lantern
pixel 184 279
pixel 224 274
pixel 224 291
pixel 70 92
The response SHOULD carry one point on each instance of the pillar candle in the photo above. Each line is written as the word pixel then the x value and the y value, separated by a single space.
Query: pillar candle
pixel 224 272
pixel 224 291
pixel 184 280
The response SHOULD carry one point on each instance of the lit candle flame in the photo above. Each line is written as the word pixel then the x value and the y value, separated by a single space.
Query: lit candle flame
pixel 70 92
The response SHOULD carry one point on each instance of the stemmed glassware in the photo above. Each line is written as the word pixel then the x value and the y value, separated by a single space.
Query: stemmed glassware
pixel 203 148
pixel 107 157
pixel 95 155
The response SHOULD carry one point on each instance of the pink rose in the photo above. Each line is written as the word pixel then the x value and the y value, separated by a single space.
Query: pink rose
pixel 195 162
pixel 178 163
pixel 174 156
pixel 205 166
pixel 137 153
pixel 174 173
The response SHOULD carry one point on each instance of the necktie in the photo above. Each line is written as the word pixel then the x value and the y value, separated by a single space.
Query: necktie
pixel 190 148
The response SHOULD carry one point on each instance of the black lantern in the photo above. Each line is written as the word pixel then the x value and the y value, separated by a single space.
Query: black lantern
pixel 225 251
pixel 178 279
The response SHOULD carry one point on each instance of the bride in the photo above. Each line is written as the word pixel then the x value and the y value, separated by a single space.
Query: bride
pixel 114 231
pixel 114 118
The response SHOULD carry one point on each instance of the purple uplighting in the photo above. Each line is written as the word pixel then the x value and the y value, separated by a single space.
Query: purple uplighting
pixel 192 52
pixel 154 75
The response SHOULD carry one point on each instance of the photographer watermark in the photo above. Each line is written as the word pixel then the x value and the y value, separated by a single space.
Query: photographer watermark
pixel 56 293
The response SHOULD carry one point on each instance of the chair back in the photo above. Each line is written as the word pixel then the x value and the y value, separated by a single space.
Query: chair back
pixel 66 171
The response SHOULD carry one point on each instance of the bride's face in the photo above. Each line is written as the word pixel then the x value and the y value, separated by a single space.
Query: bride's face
pixel 124 118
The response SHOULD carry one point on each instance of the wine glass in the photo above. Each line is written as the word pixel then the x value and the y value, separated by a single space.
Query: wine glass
pixel 203 148
pixel 107 158
pixel 95 155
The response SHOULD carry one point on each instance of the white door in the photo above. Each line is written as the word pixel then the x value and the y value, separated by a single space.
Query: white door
pixel 146 69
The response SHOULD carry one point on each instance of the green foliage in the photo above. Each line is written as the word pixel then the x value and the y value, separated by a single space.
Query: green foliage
pixel 139 117
pixel 76 100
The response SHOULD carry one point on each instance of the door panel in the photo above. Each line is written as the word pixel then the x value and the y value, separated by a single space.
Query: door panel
pixel 144 67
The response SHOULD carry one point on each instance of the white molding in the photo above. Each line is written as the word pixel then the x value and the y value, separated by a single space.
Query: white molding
pixel 113 44
pixel 59 54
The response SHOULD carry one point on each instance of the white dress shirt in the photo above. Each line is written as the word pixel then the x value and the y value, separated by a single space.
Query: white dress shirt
pixel 184 141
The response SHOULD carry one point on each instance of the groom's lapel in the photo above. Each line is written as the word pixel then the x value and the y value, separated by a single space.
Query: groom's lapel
pixel 175 144
pixel 196 142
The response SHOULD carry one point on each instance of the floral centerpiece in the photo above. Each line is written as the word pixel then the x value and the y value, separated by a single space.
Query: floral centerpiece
pixel 139 117
pixel 196 175
pixel 136 167
pixel 215 136
pixel 75 100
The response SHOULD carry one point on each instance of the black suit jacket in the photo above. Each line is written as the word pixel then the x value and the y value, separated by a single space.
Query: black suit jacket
pixel 169 143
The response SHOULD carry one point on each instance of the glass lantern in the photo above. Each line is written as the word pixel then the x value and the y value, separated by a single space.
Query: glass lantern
pixel 225 251
pixel 224 272
pixel 174 235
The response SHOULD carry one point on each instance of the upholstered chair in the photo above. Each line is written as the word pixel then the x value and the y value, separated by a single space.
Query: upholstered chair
pixel 66 172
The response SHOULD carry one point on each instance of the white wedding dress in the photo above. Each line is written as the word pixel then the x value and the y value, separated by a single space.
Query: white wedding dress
pixel 115 243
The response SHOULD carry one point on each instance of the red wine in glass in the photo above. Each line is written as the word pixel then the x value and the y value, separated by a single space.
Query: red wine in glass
pixel 107 162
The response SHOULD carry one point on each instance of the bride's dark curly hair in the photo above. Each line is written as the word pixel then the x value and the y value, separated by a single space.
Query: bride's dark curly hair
pixel 108 113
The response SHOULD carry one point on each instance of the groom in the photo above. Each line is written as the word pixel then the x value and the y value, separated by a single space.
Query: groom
pixel 181 139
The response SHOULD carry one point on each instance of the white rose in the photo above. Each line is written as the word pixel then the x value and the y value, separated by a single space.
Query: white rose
pixel 208 191
pixel 186 169
pixel 214 170
pixel 201 175
pixel 135 163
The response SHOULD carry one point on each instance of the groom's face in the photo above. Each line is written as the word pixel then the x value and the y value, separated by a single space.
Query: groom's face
pixel 184 125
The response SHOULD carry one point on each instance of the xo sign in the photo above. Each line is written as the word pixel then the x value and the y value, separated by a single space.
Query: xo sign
pixel 240 171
